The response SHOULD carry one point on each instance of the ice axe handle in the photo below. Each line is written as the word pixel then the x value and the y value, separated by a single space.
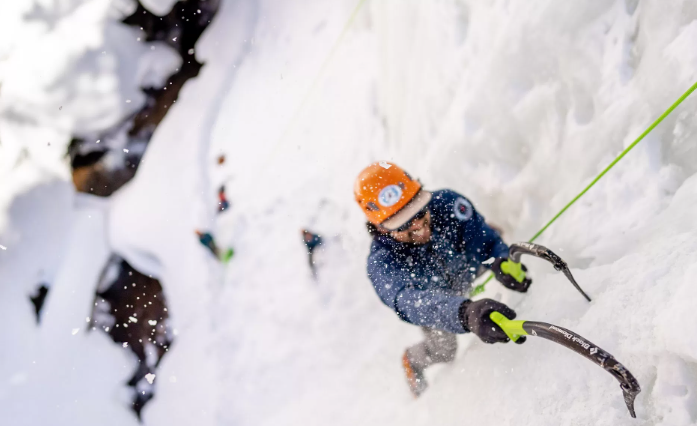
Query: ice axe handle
pixel 513 329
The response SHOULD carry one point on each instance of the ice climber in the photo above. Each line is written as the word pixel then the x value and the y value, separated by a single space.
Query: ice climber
pixel 209 242
pixel 223 202
pixel 311 241
pixel 427 249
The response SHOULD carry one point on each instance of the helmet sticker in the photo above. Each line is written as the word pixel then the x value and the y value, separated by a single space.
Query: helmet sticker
pixel 463 209
pixel 390 195
pixel 385 165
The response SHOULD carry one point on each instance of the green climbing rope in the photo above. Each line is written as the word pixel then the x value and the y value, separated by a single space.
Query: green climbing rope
pixel 480 288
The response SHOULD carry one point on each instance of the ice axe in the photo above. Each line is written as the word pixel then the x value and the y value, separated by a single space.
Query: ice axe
pixel 518 249
pixel 517 329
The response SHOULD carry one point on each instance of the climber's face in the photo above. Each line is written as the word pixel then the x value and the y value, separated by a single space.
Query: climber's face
pixel 416 231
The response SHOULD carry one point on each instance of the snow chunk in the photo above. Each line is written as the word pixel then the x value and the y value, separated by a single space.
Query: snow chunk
pixel 150 377
pixel 680 53
pixel 158 7
pixel 75 330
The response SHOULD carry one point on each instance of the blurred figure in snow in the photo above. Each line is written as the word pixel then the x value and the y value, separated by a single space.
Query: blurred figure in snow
pixel 38 298
pixel 223 203
pixel 207 240
pixel 427 249
pixel 312 241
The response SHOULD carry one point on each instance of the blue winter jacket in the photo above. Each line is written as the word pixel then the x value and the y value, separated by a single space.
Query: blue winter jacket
pixel 425 284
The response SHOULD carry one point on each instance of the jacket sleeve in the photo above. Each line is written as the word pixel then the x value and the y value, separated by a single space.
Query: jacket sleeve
pixel 429 308
pixel 492 244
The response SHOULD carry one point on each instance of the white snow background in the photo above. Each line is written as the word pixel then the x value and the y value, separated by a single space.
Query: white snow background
pixel 516 104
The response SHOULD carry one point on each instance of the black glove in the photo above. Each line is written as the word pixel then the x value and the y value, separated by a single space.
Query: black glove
pixel 474 316
pixel 511 274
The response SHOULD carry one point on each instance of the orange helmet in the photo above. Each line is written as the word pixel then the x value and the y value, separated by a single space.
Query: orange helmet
pixel 388 196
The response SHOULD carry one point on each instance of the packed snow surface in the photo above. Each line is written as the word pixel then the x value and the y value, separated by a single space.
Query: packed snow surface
pixel 517 105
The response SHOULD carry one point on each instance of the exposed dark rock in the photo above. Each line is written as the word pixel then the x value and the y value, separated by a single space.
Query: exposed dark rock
pixel 128 302
pixel 132 309
pixel 180 28
pixel 90 175
pixel 87 160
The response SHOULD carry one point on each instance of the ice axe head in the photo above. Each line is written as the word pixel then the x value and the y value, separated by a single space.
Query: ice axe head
pixel 629 385
pixel 518 249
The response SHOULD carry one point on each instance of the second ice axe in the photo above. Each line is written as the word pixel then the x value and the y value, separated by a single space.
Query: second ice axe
pixel 515 330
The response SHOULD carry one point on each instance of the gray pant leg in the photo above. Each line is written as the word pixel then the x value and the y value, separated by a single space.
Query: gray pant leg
pixel 438 346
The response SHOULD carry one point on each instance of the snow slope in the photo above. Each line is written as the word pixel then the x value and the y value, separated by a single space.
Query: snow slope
pixel 518 105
